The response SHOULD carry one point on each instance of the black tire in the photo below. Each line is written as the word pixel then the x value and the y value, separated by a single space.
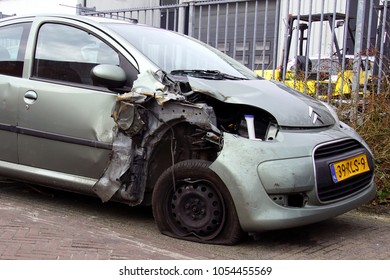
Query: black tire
pixel 191 202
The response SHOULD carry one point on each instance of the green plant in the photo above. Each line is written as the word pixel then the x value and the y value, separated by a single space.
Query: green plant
pixel 383 195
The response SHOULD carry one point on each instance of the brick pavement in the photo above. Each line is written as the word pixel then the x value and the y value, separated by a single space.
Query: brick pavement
pixel 35 228
pixel 54 225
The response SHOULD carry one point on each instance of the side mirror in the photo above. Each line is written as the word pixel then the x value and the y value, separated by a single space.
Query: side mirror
pixel 107 75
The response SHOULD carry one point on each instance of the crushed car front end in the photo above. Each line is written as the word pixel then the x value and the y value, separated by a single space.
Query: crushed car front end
pixel 287 182
pixel 302 166
pixel 223 150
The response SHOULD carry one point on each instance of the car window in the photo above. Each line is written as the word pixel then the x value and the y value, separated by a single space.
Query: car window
pixel 13 40
pixel 67 54
pixel 172 51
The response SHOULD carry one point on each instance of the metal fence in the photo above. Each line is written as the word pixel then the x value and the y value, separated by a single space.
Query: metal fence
pixel 329 48
pixel 353 61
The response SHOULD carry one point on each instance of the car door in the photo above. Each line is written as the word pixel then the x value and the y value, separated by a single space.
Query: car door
pixel 13 38
pixel 65 122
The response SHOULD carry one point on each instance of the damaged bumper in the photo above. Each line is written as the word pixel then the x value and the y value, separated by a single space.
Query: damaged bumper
pixel 272 172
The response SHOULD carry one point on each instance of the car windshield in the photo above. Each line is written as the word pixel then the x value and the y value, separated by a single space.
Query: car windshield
pixel 181 54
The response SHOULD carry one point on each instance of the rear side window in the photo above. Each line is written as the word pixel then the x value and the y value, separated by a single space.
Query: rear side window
pixel 13 39
pixel 67 54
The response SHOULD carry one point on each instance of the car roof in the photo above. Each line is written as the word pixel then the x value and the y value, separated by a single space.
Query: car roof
pixel 89 19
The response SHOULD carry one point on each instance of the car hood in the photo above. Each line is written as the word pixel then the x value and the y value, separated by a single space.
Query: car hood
pixel 290 108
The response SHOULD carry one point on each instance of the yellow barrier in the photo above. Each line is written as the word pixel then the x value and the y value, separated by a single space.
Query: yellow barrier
pixel 342 85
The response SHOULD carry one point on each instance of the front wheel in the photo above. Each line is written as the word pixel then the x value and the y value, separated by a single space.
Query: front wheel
pixel 191 202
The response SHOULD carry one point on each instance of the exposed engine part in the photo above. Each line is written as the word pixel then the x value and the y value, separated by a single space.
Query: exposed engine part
pixel 156 129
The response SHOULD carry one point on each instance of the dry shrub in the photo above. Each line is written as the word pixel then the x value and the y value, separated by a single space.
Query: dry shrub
pixel 373 124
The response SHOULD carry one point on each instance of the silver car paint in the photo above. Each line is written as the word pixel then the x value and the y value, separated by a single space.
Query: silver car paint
pixel 8 113
pixel 289 107
pixel 50 114
pixel 247 167
pixel 251 179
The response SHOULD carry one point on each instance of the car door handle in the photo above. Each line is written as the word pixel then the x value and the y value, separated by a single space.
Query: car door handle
pixel 30 97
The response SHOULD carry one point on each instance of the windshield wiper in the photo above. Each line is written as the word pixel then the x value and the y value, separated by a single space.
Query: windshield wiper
pixel 206 74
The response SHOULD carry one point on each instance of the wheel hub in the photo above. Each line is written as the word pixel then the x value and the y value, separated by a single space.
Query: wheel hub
pixel 197 207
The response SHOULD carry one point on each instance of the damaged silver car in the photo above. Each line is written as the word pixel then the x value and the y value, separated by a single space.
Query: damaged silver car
pixel 140 115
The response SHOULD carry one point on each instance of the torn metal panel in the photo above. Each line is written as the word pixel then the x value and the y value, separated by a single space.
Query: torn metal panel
pixel 125 155
pixel 121 158
pixel 127 118
pixel 201 115
pixel 148 81
pixel 140 97
pixel 134 180
pixel 159 120
pixel 160 87
pixel 143 116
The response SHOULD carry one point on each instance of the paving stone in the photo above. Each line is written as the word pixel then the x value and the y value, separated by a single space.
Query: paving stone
pixel 72 227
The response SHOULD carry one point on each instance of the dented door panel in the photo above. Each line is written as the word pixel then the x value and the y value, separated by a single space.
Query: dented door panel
pixel 66 129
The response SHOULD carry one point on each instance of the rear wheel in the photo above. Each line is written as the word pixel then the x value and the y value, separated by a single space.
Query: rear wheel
pixel 191 202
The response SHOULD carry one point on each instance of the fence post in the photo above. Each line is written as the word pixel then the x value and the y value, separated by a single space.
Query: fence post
pixel 191 19
pixel 357 58
pixel 181 23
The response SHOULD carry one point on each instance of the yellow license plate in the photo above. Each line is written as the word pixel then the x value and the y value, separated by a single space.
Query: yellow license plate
pixel 349 167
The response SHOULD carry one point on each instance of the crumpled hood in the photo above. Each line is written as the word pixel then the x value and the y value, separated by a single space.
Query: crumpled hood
pixel 290 107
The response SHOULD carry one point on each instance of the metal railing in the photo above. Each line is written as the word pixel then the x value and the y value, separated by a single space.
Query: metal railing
pixel 336 49
pixel 168 17
pixel 329 48
pixel 245 30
